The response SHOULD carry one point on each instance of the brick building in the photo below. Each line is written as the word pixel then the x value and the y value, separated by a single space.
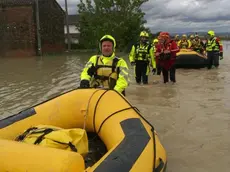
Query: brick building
pixel 18 34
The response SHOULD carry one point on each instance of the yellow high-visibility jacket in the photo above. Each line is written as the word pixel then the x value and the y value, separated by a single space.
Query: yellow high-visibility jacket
pixel 105 74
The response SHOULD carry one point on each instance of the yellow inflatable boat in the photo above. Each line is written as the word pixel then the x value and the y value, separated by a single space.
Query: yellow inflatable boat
pixel 131 142
pixel 188 58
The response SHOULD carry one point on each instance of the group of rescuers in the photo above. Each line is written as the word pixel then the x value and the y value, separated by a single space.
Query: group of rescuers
pixel 111 72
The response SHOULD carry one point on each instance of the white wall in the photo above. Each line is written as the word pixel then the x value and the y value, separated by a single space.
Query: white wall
pixel 72 29
pixel 73 41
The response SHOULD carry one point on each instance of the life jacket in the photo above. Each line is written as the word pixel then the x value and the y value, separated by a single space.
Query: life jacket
pixel 221 47
pixel 196 44
pixel 75 140
pixel 105 75
pixel 221 44
pixel 212 45
pixel 166 46
pixel 184 44
pixel 191 40
pixel 177 40
pixel 142 52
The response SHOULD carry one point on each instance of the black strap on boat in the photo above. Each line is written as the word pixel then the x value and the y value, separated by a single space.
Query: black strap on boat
pixel 70 144
pixel 41 137
pixel 47 131
pixel 72 147
pixel 22 136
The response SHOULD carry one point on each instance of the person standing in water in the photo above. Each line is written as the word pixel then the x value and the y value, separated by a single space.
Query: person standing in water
pixel 106 70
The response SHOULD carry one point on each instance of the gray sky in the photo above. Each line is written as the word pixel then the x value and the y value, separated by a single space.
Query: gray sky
pixel 180 15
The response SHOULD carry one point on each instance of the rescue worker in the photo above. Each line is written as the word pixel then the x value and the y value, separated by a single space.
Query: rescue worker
pixel 141 56
pixel 156 42
pixel 105 70
pixel 221 48
pixel 213 50
pixel 184 42
pixel 191 38
pixel 166 54
pixel 197 45
pixel 177 38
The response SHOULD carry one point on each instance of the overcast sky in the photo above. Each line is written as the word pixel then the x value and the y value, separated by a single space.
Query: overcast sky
pixel 180 15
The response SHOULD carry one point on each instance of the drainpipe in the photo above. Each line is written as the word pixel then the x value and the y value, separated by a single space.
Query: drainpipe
pixel 39 50
pixel 67 25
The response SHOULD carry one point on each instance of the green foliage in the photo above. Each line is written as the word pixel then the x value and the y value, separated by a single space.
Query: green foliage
pixel 155 35
pixel 123 19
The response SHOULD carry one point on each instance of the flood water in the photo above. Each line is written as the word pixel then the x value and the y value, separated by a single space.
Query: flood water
pixel 192 117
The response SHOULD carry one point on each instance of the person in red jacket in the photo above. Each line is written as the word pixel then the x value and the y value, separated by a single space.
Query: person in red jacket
pixel 221 47
pixel 166 54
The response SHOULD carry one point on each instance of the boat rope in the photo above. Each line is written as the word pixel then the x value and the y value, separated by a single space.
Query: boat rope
pixel 114 113
pixel 87 109
pixel 95 110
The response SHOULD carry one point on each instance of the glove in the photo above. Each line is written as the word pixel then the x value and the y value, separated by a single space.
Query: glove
pixel 84 84
pixel 167 52
pixel 133 63
pixel 221 56
pixel 154 71
pixel 157 54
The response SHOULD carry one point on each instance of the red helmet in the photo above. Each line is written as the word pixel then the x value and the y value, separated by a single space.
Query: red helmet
pixel 164 35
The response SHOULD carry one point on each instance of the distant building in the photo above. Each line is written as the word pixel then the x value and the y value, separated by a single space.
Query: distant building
pixel 18 29
pixel 74 33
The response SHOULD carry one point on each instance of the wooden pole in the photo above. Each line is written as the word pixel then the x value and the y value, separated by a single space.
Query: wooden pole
pixel 67 25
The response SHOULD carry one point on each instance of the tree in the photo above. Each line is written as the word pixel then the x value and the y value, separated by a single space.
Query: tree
pixel 123 19
pixel 85 24
pixel 156 34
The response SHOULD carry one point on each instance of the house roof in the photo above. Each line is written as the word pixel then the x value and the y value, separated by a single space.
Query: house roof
pixel 16 2
pixel 73 19
pixel 24 2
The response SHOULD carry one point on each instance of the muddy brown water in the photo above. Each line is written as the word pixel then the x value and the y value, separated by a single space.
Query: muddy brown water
pixel 192 117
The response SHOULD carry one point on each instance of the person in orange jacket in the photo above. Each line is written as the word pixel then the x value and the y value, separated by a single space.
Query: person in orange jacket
pixel 166 54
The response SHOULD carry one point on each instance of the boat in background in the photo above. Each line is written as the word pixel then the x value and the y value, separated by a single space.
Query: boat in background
pixel 188 58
